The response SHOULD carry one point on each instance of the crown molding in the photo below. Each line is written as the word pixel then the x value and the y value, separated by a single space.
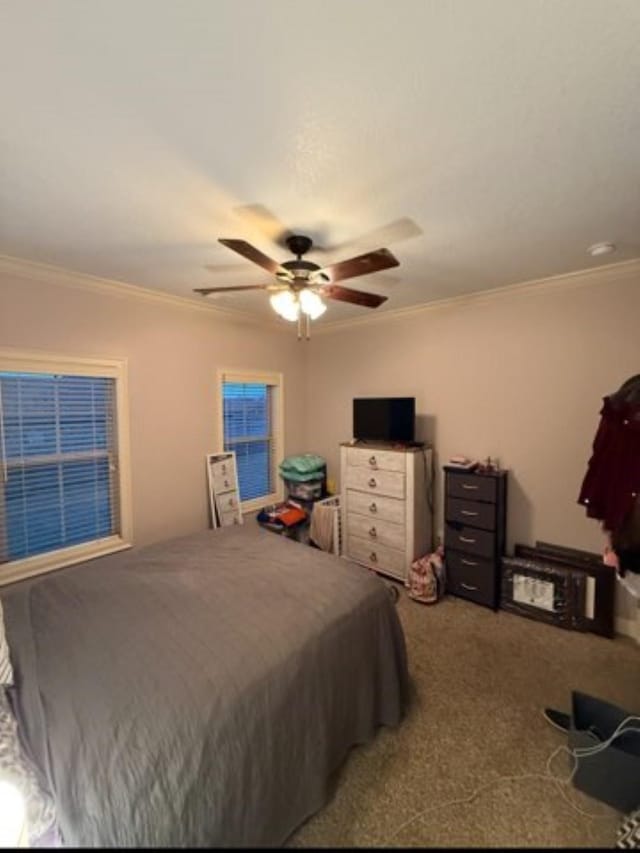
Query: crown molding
pixel 50 274
pixel 608 273
pixel 59 276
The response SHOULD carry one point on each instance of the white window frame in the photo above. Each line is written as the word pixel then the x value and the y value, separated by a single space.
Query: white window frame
pixel 28 361
pixel 275 380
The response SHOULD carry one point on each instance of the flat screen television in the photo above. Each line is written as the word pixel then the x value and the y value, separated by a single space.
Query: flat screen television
pixel 384 419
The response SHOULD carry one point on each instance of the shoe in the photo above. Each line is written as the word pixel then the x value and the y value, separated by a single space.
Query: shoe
pixel 558 719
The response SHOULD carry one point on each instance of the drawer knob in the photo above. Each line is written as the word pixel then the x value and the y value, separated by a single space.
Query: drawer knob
pixel 226 482
pixel 468 562
pixel 372 482
pixel 469 487
pixel 373 557
pixel 468 512
pixel 373 533
pixel 373 507
pixel 224 469
pixel 466 539
pixel 372 461
pixel 468 586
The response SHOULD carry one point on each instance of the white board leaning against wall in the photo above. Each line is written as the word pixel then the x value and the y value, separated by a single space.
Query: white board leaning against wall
pixel 224 497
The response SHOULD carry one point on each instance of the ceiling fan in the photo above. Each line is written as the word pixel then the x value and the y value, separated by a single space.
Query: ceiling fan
pixel 299 286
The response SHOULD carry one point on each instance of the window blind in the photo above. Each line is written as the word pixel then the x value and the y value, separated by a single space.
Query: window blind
pixel 58 452
pixel 248 430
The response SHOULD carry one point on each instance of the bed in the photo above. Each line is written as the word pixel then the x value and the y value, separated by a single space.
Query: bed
pixel 202 691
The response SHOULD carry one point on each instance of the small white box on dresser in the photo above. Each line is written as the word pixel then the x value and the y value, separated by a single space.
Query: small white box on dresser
pixel 387 513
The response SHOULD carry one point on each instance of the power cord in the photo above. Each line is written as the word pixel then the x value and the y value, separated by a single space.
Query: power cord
pixel 576 754
pixel 429 477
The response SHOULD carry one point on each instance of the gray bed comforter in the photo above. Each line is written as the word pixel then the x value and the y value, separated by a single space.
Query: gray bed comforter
pixel 200 692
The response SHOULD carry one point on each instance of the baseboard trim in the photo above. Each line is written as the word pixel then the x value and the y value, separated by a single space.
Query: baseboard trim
pixel 628 627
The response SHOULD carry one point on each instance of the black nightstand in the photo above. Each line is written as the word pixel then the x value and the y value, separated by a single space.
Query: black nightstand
pixel 475 528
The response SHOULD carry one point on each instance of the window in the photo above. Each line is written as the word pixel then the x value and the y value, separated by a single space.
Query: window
pixel 251 409
pixel 64 461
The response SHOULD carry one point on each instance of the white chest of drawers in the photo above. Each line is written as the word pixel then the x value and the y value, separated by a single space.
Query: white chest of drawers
pixel 386 506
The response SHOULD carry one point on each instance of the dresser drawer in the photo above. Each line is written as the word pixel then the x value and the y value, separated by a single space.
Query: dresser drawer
pixel 376 531
pixel 377 557
pixel 470 578
pixel 471 512
pixel 473 487
pixel 390 483
pixel 470 540
pixel 388 509
pixel 376 460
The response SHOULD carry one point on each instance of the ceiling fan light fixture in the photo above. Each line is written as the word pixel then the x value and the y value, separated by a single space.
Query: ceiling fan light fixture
pixel 286 304
pixel 302 286
pixel 311 304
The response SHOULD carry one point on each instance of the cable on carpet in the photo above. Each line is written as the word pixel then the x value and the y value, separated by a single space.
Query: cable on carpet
pixel 576 754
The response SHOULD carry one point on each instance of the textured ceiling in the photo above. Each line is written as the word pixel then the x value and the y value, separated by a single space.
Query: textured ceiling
pixel 485 142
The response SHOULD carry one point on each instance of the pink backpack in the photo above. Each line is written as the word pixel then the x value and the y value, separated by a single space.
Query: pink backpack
pixel 426 578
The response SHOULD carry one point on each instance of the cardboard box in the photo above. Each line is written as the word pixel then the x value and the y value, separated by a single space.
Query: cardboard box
pixel 580 587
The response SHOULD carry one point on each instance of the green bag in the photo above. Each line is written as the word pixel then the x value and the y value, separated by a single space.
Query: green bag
pixel 301 478
pixel 300 469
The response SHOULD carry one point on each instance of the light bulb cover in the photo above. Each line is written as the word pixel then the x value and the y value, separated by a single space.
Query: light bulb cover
pixel 311 304
pixel 601 249
pixel 286 304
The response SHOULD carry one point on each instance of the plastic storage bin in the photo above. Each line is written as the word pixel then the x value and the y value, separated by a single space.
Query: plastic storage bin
pixel 311 490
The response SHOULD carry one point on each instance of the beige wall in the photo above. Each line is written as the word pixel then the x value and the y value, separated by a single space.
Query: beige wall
pixel 519 375
pixel 173 353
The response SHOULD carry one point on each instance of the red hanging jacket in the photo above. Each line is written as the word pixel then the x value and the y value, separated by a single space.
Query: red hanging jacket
pixel 612 481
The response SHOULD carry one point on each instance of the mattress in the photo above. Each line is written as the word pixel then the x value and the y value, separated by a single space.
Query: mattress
pixel 201 691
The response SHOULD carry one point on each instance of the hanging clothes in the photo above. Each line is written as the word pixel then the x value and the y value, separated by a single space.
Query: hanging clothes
pixel 611 485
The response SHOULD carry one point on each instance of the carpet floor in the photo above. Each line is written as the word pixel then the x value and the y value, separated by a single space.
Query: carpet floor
pixel 447 776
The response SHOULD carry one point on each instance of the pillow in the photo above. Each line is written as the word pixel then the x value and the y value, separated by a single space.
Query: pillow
pixel 16 768
pixel 6 670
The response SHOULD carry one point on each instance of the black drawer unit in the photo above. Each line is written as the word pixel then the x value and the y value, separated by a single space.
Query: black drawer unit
pixel 475 528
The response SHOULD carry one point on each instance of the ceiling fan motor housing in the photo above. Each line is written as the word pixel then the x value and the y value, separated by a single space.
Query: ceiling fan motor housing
pixel 299 244
pixel 300 269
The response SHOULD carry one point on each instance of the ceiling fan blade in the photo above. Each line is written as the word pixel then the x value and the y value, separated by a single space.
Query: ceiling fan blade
pixel 381 259
pixel 226 269
pixel 262 220
pixel 252 254
pixel 347 294
pixel 205 291
pixel 394 232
